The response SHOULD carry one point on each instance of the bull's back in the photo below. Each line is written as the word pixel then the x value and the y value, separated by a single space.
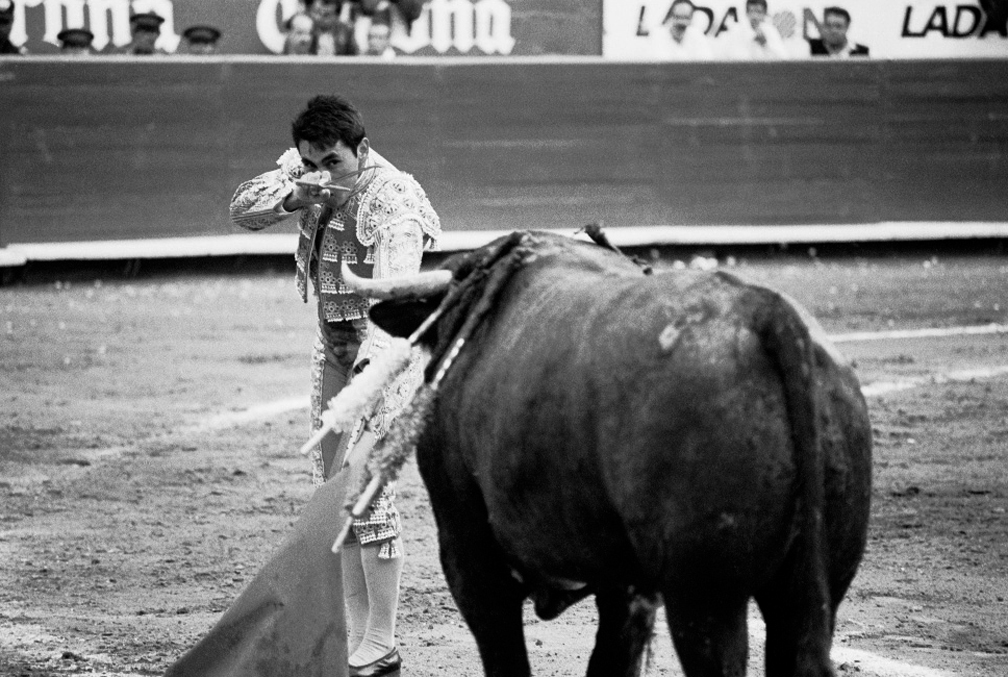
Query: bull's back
pixel 636 420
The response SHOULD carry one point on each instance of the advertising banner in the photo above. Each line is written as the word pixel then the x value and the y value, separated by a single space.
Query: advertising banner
pixel 445 27
pixel 911 29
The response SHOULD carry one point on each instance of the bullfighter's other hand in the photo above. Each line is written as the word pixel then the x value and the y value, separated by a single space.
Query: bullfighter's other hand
pixel 308 190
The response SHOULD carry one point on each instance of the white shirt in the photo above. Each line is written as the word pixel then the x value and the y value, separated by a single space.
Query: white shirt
pixel 387 54
pixel 694 45
pixel 844 53
pixel 741 42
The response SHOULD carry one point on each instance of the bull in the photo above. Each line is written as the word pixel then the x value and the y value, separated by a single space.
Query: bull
pixel 683 438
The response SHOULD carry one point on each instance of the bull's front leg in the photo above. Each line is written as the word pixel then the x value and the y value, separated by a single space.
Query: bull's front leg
pixel 480 580
pixel 488 597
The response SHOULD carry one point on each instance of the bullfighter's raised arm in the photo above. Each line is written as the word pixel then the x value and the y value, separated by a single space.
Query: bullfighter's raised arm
pixel 264 201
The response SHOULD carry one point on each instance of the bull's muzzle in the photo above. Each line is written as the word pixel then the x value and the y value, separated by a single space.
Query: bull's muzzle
pixel 418 286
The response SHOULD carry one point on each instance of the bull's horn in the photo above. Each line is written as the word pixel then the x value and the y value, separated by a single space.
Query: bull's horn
pixel 420 285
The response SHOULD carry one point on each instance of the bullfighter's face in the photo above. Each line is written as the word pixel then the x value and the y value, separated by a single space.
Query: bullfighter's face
pixel 340 161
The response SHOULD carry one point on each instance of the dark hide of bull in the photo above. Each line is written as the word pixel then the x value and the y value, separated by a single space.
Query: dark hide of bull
pixel 683 438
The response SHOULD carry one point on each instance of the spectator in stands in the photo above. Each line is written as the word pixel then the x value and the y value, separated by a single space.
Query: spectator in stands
pixel 334 30
pixel 146 28
pixel 6 23
pixel 755 38
pixel 201 39
pixel 677 39
pixel 832 40
pixel 996 17
pixel 75 41
pixel 378 40
pixel 300 34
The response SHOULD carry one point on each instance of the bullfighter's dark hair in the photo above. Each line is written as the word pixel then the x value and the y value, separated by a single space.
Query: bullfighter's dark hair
pixel 326 120
pixel 839 11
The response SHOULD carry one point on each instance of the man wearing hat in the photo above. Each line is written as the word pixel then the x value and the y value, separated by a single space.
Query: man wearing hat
pixel 6 23
pixel 75 41
pixel 201 39
pixel 145 27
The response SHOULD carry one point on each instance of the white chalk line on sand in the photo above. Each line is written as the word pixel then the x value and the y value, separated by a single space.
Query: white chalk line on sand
pixel 932 332
pixel 882 387
pixel 877 388
pixel 231 419
pixel 867 662
pixel 258 412
pixel 880 666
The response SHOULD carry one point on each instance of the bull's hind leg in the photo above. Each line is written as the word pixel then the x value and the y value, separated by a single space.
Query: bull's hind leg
pixel 709 635
pixel 793 649
pixel 626 621
pixel 799 613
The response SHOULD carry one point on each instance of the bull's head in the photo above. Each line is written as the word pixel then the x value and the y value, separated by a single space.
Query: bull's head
pixel 415 294
pixel 419 286
pixel 403 303
pixel 455 299
pixel 439 310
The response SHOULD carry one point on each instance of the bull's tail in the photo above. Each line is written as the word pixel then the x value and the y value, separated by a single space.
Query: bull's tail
pixel 786 337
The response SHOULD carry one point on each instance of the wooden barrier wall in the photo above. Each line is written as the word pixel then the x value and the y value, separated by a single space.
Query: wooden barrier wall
pixel 112 148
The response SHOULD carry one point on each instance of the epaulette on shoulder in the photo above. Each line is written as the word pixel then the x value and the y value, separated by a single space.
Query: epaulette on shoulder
pixel 391 198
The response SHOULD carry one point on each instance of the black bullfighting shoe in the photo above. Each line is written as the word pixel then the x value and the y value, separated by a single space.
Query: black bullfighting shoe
pixel 386 666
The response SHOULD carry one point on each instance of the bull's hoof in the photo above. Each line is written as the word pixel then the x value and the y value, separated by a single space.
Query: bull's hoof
pixel 388 665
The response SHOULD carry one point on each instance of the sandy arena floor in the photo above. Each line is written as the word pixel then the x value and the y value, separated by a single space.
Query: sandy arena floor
pixel 137 497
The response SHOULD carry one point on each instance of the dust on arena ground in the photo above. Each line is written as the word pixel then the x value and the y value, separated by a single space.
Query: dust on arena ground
pixel 127 525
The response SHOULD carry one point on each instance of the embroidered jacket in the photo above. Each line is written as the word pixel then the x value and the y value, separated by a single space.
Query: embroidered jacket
pixel 381 231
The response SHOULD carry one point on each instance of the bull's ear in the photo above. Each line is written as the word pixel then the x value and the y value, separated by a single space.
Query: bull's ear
pixel 402 317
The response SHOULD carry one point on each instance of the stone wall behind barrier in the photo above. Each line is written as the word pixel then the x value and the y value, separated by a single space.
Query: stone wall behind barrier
pixel 112 148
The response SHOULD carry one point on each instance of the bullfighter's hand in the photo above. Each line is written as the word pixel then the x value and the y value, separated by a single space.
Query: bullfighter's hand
pixel 305 194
